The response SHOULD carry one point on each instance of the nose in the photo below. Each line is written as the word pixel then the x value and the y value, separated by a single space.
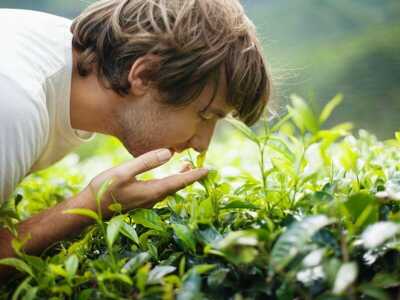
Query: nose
pixel 201 141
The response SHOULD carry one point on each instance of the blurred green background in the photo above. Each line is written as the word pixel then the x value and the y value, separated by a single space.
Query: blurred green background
pixel 317 48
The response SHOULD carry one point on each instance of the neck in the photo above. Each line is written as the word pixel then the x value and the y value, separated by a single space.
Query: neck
pixel 91 103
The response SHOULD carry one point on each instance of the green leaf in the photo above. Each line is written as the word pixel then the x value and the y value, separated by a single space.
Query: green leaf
pixel 238 204
pixel 86 294
pixel 291 242
pixel 185 236
pixel 345 277
pixel 108 276
pixel 246 131
pixel 130 232
pixel 156 275
pixel 71 265
pixel 148 218
pixel 58 270
pixel 284 166
pixel 278 145
pixel 363 209
pixel 348 157
pixel 374 292
pixel 397 135
pixel 202 269
pixel 103 189
pixel 329 108
pixel 31 294
pixel 217 277
pixel 24 286
pixel 376 234
pixel 201 158
pixel 205 213
pixel 209 236
pixel 83 212
pixel 190 289
pixel 141 277
pixel 285 292
pixel 134 263
pixel 18 264
pixel 235 238
pixel 385 280
pixel 37 264
pixel 113 229
pixel 302 115
pixel 115 207
pixel 238 247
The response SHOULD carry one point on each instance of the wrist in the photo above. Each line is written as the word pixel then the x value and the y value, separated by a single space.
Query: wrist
pixel 87 200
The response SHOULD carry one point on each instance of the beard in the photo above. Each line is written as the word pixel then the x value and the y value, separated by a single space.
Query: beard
pixel 138 132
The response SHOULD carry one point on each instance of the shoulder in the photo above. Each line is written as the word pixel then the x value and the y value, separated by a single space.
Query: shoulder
pixel 17 99
pixel 24 117
pixel 35 45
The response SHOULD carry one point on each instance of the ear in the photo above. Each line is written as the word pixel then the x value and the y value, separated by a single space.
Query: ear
pixel 138 74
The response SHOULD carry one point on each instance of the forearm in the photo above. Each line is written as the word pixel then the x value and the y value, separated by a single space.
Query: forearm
pixel 48 227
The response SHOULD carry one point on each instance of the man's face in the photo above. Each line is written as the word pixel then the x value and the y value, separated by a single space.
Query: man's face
pixel 147 124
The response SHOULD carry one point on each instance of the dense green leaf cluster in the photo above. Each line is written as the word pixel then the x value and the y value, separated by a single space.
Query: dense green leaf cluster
pixel 318 220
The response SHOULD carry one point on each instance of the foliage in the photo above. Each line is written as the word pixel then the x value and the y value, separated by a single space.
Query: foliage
pixel 316 218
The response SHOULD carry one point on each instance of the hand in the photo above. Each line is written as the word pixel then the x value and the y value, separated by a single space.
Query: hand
pixel 132 193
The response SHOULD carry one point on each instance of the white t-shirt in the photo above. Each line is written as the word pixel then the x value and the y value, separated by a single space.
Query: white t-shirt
pixel 35 84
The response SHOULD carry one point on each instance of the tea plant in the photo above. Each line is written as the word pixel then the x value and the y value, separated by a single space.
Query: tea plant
pixel 318 219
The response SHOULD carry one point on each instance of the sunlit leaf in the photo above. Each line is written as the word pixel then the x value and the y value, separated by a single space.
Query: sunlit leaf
pixel 141 277
pixel 71 265
pixel 345 277
pixel 156 275
pixel 113 229
pixel 17 264
pixel 83 212
pixel 376 234
pixel 246 131
pixel 201 158
pixel 238 204
pixel 128 231
pixel 291 242
pixel 302 115
pixel 103 189
pixel 148 218
pixel 329 108
pixel 134 263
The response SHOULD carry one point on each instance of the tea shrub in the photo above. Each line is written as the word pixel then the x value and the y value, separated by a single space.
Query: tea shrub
pixel 292 211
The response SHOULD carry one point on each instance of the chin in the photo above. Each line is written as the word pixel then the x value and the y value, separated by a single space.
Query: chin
pixel 134 151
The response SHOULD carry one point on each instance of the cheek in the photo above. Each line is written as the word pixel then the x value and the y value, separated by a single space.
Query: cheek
pixel 181 128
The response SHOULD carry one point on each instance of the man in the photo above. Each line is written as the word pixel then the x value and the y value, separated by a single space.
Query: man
pixel 156 74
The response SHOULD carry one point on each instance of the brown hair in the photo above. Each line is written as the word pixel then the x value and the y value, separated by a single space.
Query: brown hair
pixel 193 40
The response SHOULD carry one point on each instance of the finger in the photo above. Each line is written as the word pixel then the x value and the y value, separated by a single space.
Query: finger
pixel 187 166
pixel 143 163
pixel 171 184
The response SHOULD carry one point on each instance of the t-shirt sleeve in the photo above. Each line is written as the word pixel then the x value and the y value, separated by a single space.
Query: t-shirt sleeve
pixel 23 133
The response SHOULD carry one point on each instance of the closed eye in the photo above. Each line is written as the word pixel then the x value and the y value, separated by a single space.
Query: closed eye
pixel 206 116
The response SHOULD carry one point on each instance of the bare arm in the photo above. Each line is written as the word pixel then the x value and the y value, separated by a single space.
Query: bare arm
pixel 47 227
pixel 53 225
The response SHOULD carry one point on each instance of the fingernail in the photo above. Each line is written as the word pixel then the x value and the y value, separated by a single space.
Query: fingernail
pixel 164 155
pixel 205 170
